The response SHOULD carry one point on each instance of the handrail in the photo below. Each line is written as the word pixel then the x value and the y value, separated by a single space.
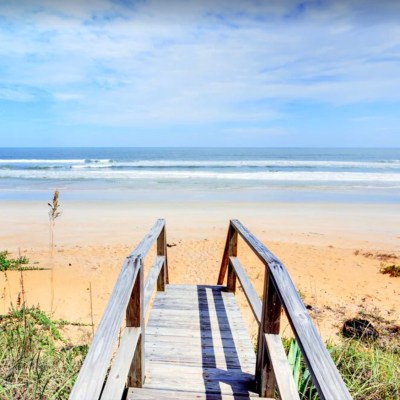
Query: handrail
pixel 130 296
pixel 279 291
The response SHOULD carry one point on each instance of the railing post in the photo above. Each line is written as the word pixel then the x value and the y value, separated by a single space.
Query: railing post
pixel 231 280
pixel 229 251
pixel 162 251
pixel 270 323
pixel 135 318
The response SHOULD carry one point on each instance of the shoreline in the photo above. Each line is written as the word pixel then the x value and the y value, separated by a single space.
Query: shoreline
pixel 181 193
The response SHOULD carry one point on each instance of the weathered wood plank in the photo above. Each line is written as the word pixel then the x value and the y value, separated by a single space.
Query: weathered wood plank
pixel 92 374
pixel 248 289
pixel 190 369
pixel 189 341
pixel 325 375
pixel 135 318
pixel 270 323
pixel 280 365
pixel 152 278
pixel 155 394
pixel 154 331
pixel 230 250
pixel 144 246
pixel 116 380
pixel 207 343
pixel 163 278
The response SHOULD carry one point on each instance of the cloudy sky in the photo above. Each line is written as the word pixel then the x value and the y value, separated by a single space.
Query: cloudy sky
pixel 199 73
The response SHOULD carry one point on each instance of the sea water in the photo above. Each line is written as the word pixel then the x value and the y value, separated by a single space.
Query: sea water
pixel 243 174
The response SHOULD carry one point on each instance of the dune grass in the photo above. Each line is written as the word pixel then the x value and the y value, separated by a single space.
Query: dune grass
pixel 370 370
pixel 15 264
pixel 35 360
pixel 7 263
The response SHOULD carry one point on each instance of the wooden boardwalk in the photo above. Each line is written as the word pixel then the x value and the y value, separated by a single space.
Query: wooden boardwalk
pixel 197 346
pixel 194 344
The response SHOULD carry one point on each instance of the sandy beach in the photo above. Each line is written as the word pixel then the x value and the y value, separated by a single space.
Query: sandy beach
pixel 333 253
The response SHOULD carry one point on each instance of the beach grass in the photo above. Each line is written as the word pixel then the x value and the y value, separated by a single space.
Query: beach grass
pixel 370 370
pixel 20 263
pixel 36 362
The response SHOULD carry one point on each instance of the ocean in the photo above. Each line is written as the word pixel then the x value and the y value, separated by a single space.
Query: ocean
pixel 237 174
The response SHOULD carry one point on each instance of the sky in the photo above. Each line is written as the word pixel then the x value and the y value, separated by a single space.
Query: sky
pixel 200 73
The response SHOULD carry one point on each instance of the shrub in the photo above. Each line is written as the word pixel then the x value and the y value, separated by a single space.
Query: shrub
pixel 35 360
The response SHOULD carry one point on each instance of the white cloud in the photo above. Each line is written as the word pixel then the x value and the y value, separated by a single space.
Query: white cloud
pixel 185 62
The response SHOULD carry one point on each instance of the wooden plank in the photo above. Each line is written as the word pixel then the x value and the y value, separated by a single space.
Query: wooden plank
pixel 163 278
pixel 231 279
pixel 144 246
pixel 205 356
pixel 154 331
pixel 116 380
pixel 156 394
pixel 230 250
pixel 248 289
pixel 93 372
pixel 207 343
pixel 197 372
pixel 179 288
pixel 135 318
pixel 270 323
pixel 282 371
pixel 203 370
pixel 199 383
pixel 190 342
pixel 325 375
pixel 151 280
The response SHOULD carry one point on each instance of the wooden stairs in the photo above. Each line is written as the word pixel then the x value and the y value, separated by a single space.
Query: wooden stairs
pixel 197 347
pixel 194 344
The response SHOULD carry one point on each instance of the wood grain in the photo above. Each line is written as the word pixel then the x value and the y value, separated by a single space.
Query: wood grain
pixel 229 251
pixel 196 341
pixel 94 369
pixel 325 375
pixel 281 368
pixel 152 278
pixel 116 380
pixel 248 289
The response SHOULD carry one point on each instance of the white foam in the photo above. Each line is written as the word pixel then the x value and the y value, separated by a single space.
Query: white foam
pixel 242 163
pixel 295 176
pixel 107 163
pixel 40 161
pixel 56 161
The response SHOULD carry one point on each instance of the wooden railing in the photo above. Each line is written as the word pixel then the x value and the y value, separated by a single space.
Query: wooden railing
pixel 130 297
pixel 272 369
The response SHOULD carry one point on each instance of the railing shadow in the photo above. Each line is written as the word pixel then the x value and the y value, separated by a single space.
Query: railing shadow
pixel 241 383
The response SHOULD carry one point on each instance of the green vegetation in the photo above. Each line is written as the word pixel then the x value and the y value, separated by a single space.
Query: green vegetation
pixel 301 375
pixel 11 263
pixel 35 360
pixel 15 264
pixel 392 270
pixel 370 370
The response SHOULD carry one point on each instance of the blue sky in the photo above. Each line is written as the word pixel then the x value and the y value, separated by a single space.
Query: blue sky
pixel 199 73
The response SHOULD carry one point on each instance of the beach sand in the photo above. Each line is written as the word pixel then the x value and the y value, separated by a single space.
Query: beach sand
pixel 333 253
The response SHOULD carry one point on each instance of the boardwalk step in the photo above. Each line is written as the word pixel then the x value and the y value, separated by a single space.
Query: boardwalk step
pixel 197 343
pixel 154 394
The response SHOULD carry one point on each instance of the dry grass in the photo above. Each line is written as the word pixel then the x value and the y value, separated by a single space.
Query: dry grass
pixel 392 270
